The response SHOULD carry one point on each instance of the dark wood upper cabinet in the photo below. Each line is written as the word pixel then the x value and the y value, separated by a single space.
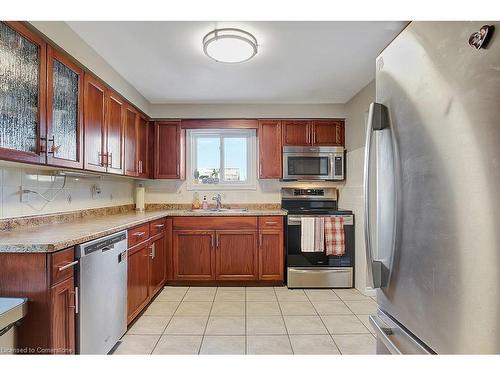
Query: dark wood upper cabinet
pixel 193 255
pixel 23 98
pixel 94 119
pixel 64 111
pixel 143 147
pixel 131 136
pixel 296 132
pixel 115 120
pixel 270 153
pixel 236 255
pixel 169 149
pixel 328 133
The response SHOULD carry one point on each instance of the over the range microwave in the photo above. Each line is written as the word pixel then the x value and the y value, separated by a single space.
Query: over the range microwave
pixel 313 163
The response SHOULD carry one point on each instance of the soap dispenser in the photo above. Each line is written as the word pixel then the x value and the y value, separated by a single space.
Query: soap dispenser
pixel 205 203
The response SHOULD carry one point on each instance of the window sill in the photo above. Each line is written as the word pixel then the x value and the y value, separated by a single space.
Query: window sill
pixel 217 187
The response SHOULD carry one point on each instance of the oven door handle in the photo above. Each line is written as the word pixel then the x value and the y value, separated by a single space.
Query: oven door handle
pixel 295 220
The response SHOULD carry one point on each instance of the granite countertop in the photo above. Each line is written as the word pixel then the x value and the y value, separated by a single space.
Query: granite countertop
pixel 56 236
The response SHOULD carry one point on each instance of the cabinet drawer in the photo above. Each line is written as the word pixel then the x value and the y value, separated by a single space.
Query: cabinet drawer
pixel 62 264
pixel 157 226
pixel 271 222
pixel 215 223
pixel 138 234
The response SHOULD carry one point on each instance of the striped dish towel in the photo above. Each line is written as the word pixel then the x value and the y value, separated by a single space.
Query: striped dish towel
pixel 334 235
pixel 319 234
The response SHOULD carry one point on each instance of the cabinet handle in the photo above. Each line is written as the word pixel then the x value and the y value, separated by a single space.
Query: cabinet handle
pixel 75 306
pixel 159 225
pixel 152 254
pixel 66 266
pixel 271 223
pixel 217 241
pixel 53 149
pixel 212 237
pixel 139 234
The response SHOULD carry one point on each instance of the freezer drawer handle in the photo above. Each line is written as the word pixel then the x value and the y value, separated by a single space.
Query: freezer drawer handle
pixel 383 333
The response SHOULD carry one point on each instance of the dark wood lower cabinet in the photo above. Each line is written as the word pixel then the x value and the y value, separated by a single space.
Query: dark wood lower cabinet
pixel 250 249
pixel 138 279
pixel 49 326
pixel 193 255
pixel 157 263
pixel 236 255
pixel 63 317
pixel 271 255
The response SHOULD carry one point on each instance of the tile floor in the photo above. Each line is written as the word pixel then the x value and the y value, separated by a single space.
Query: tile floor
pixel 253 320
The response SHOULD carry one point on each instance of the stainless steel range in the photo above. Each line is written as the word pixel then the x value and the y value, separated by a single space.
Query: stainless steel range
pixel 316 269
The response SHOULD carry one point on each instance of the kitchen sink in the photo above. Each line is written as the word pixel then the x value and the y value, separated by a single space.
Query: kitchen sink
pixel 215 210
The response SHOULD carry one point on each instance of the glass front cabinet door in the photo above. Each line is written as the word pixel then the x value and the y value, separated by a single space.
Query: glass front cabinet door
pixel 22 93
pixel 64 111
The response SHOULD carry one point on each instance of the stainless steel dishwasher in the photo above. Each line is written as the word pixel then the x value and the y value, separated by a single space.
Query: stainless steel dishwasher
pixel 102 289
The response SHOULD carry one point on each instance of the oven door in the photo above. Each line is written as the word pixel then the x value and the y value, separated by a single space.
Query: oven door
pixel 307 166
pixel 296 258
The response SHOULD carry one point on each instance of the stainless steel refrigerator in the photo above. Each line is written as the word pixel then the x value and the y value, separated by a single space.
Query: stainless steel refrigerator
pixel 432 190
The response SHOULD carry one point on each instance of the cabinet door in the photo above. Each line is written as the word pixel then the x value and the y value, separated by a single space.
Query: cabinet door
pixel 142 145
pixel 115 120
pixel 236 255
pixel 64 111
pixel 328 133
pixel 131 125
pixel 169 249
pixel 94 110
pixel 194 257
pixel 63 317
pixel 169 150
pixel 271 255
pixel 270 151
pixel 296 132
pixel 138 279
pixel 157 263
pixel 23 93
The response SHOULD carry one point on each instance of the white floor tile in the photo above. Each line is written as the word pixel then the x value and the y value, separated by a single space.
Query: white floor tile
pixel 313 344
pixel 178 345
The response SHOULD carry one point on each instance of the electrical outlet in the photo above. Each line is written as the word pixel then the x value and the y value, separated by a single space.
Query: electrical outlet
pixel 24 195
pixel 95 190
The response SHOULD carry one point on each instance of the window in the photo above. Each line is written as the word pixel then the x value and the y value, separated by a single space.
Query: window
pixel 220 158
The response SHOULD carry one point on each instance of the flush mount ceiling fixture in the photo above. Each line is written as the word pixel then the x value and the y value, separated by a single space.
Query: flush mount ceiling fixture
pixel 230 45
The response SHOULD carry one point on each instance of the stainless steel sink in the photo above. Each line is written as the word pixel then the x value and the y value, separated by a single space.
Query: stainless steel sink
pixel 215 210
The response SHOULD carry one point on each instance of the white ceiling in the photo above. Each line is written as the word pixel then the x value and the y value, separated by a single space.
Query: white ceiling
pixel 297 62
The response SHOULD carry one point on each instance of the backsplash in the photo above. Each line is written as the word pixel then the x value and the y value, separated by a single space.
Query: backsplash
pixel 267 191
pixel 77 193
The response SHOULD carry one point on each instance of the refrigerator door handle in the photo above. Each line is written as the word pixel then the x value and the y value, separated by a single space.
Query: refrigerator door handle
pixel 378 119
pixel 394 338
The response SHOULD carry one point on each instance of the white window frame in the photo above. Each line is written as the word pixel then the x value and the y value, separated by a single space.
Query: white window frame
pixel 250 134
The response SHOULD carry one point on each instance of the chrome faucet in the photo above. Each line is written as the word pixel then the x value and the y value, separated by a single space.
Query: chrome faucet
pixel 217 200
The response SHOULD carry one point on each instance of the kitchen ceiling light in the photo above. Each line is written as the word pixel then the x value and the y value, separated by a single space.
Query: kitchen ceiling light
pixel 229 45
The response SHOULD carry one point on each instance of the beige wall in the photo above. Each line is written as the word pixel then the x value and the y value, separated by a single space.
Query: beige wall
pixel 246 110
pixel 352 193
pixel 357 109
pixel 61 34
